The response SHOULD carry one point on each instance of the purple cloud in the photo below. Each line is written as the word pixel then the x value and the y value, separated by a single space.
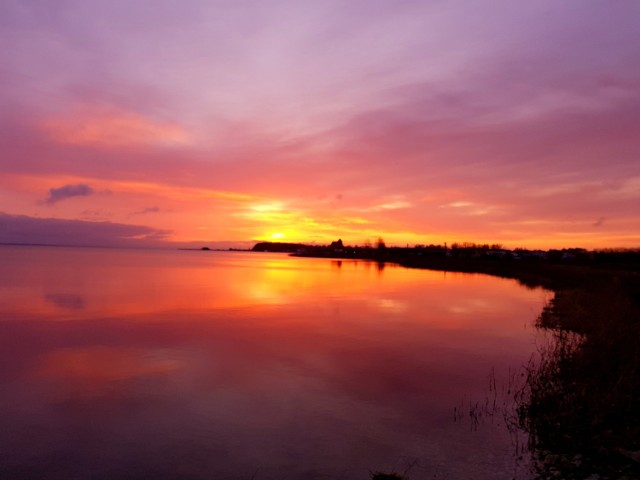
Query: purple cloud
pixel 21 229
pixel 68 191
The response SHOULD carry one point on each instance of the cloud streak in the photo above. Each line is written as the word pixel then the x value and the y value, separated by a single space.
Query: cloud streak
pixel 113 129
pixel 22 229
pixel 147 210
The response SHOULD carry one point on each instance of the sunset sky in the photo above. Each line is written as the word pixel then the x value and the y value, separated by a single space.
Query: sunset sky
pixel 220 123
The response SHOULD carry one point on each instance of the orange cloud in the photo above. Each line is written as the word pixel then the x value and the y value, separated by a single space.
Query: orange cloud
pixel 114 129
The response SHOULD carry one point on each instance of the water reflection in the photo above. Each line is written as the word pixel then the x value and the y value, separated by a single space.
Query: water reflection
pixel 181 364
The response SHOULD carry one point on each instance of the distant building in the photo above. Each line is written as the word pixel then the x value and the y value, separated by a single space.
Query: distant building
pixel 337 246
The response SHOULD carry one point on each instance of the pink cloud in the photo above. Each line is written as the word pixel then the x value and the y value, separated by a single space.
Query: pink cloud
pixel 114 129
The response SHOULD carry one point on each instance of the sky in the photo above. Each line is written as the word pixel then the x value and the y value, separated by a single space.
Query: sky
pixel 223 123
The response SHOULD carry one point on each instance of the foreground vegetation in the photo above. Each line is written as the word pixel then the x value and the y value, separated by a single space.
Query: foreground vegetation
pixel 581 404
pixel 581 401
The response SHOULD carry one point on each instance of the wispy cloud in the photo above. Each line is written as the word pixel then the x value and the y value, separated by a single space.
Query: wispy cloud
pixel 390 206
pixel 68 191
pixel 147 210
pixel 599 222
pixel 459 204
pixel 114 129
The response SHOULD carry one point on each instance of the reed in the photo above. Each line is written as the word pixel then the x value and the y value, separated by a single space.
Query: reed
pixel 581 400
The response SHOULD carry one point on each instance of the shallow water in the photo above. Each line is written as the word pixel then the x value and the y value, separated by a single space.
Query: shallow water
pixel 236 365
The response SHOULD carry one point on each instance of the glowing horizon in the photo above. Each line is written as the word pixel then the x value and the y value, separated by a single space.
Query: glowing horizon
pixel 210 123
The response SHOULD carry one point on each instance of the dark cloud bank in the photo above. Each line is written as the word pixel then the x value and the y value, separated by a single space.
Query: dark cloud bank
pixel 21 229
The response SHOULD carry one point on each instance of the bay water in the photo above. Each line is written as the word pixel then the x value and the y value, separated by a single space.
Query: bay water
pixel 238 365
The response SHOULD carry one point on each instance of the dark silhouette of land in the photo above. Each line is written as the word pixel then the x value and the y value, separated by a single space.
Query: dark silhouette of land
pixel 277 247
pixel 547 268
pixel 581 401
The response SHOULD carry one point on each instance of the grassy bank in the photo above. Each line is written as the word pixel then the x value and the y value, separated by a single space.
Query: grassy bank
pixel 581 406
pixel 581 402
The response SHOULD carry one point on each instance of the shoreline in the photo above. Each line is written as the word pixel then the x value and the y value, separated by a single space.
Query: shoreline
pixel 581 402
pixel 529 272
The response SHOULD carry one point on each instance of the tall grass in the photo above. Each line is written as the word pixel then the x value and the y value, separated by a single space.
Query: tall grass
pixel 581 403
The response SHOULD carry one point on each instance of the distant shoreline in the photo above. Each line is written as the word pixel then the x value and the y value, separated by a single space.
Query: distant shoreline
pixel 531 272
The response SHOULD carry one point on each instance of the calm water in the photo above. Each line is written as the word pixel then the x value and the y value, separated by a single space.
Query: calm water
pixel 216 365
